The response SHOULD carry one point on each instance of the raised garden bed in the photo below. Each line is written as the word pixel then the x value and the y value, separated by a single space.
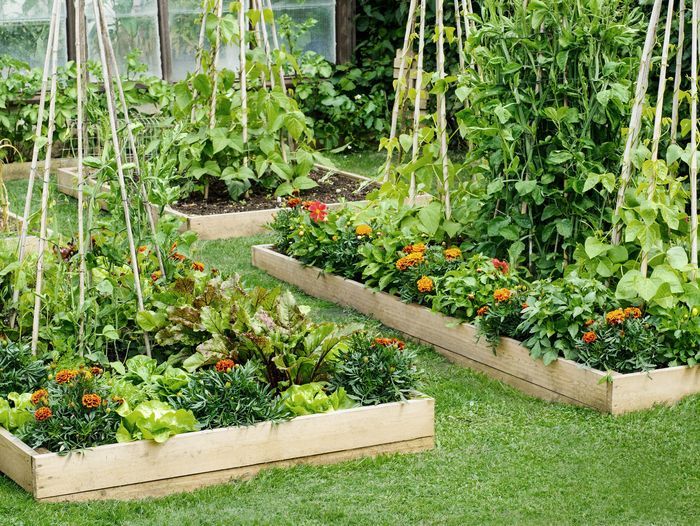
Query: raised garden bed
pixel 209 223
pixel 11 239
pixel 20 170
pixel 563 380
pixel 193 460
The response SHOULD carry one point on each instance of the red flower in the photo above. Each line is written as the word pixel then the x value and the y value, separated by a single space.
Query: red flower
pixel 500 265
pixel 317 211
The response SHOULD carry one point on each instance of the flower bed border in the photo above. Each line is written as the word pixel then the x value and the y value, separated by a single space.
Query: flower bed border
pixel 218 226
pixel 189 461
pixel 563 380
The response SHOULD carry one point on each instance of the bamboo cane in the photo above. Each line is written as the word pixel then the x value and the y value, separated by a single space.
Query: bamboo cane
pixel 215 64
pixel 416 108
pixel 441 109
pixel 200 51
pixel 694 141
pixel 656 137
pixel 398 97
pixel 266 42
pixel 24 227
pixel 243 76
pixel 80 86
pixel 102 37
pixel 679 68
pixel 45 186
pixel 275 42
pixel 132 146
pixel 636 118
pixel 460 44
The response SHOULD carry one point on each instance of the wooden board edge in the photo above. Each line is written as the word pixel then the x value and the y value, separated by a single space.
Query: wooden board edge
pixel 163 487
pixel 643 390
pixel 17 460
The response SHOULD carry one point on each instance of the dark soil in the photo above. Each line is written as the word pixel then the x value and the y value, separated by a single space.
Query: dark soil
pixel 330 189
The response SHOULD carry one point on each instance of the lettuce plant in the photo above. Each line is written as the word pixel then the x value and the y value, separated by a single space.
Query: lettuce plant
pixel 312 398
pixel 154 420
pixel 15 411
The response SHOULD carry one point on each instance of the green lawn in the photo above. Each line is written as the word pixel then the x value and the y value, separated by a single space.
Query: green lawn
pixel 501 458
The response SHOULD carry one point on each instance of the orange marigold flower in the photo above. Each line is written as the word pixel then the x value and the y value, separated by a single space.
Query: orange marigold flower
pixel 42 414
pixel 500 265
pixel 418 248
pixel 66 375
pixel 452 254
pixel 293 202
pixel 363 230
pixel 501 294
pixel 633 312
pixel 156 275
pixel 482 311
pixel 589 337
pixel 91 401
pixel 225 365
pixel 412 259
pixel 143 249
pixel 390 342
pixel 615 317
pixel 40 396
pixel 97 371
pixel 198 266
pixel 589 323
pixel 425 284
pixel 178 257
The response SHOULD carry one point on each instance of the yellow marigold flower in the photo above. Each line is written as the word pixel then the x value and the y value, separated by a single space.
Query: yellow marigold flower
pixel 425 284
pixel 412 259
pixel 363 230
pixel 633 312
pixel 40 396
pixel 452 254
pixel 91 401
pixel 43 413
pixel 615 317
pixel 501 295
pixel 65 376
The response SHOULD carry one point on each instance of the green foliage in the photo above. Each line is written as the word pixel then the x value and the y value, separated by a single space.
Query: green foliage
pixel 15 412
pixel 312 398
pixel 154 420
pixel 19 370
pixel 502 318
pixel 229 398
pixel 377 371
pixel 154 380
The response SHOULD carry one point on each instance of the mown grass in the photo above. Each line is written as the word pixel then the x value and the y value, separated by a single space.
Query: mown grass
pixel 501 458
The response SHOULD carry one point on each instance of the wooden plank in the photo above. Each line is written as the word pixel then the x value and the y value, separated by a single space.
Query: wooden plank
pixel 345 33
pixel 566 378
pixel 164 487
pixel 635 391
pixel 18 171
pixel 16 460
pixel 232 448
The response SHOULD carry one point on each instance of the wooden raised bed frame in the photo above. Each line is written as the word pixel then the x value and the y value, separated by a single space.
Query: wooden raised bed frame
pixel 193 460
pixel 563 380
pixel 217 226
pixel 31 243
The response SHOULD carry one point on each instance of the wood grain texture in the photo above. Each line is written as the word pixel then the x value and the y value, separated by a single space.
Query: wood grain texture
pixel 16 460
pixel 365 430
pixel 563 380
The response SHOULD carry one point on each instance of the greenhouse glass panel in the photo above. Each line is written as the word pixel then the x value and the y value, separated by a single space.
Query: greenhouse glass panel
pixel 320 38
pixel 133 25
pixel 24 30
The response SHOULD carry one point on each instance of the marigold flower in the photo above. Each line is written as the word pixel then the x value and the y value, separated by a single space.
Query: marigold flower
pixel 91 401
pixel 425 284
pixel 293 202
pixel 42 414
pixel 412 259
pixel 225 365
pixel 615 317
pixel 390 342
pixel 500 265
pixel 589 323
pixel 143 249
pixel 501 295
pixel 589 337
pixel 363 230
pixel 481 311
pixel 66 375
pixel 198 266
pixel 452 254
pixel 633 312
pixel 40 397
pixel 178 257
pixel 97 371
pixel 156 275
pixel 317 211
pixel 418 248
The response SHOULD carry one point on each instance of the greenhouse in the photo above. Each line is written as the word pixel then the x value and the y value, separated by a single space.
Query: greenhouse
pixel 338 262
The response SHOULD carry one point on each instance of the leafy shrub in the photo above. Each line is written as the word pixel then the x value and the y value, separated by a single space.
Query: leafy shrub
pixel 376 371
pixel 312 398
pixel 230 397
pixel 502 316
pixel 20 371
